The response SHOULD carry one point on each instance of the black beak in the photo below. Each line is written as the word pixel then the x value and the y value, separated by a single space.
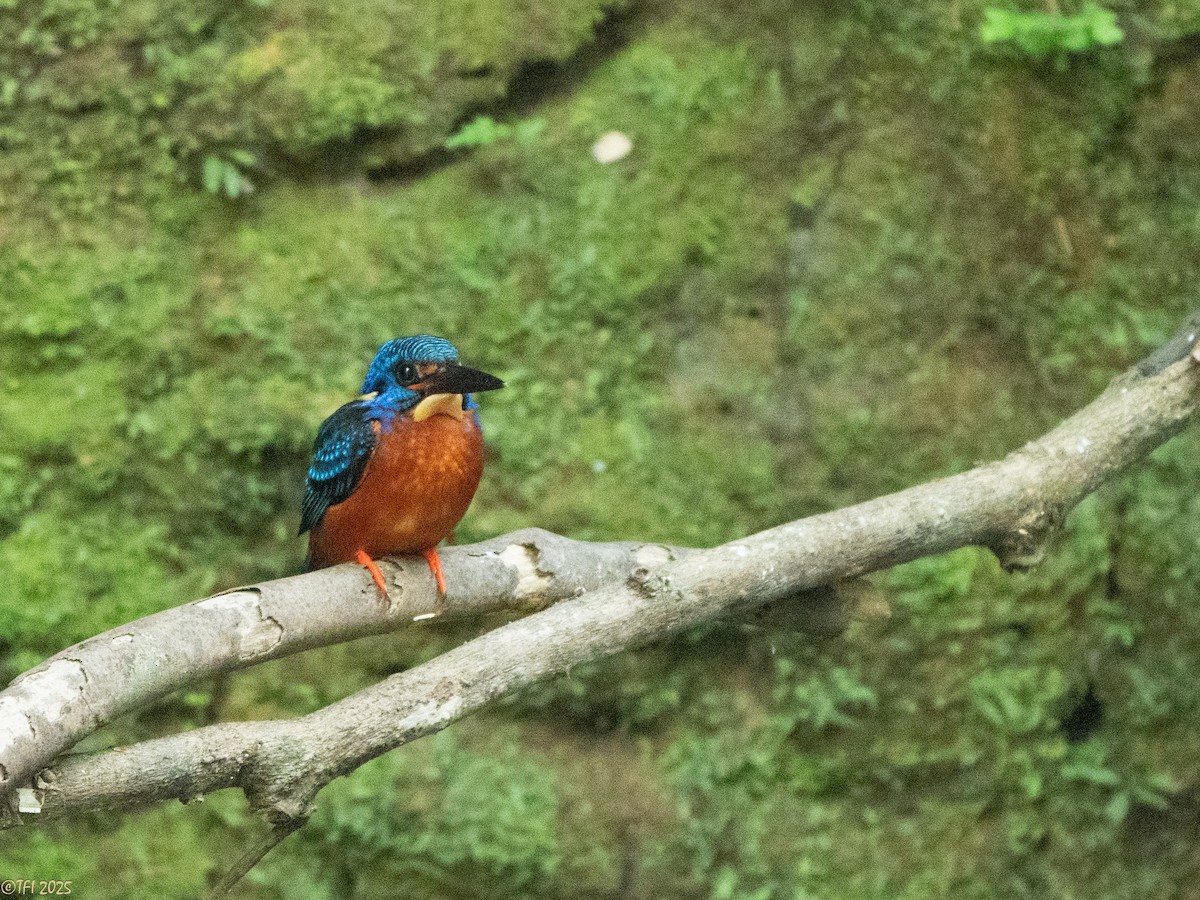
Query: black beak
pixel 456 379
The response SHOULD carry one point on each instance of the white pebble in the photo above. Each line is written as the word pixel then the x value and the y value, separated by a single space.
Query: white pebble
pixel 611 147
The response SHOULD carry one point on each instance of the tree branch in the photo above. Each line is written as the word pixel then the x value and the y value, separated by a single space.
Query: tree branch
pixel 1011 506
pixel 254 855
pixel 53 706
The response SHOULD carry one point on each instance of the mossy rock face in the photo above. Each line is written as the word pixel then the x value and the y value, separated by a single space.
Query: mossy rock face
pixel 851 249
pixel 395 78
pixel 139 94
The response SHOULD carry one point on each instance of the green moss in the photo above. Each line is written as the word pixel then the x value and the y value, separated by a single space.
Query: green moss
pixel 849 251
pixel 482 820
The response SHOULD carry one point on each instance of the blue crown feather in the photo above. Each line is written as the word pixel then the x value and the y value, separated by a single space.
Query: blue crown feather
pixel 422 348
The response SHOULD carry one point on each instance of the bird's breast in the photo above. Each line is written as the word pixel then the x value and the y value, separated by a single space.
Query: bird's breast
pixel 415 489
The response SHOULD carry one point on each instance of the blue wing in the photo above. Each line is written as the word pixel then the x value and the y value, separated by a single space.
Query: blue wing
pixel 343 447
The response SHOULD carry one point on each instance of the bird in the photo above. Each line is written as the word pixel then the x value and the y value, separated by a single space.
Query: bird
pixel 394 471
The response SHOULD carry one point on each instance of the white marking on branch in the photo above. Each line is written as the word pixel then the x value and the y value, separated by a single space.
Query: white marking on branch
pixel 56 686
pixel 28 801
pixel 14 722
pixel 523 559
pixel 652 555
pixel 431 714
pixel 258 634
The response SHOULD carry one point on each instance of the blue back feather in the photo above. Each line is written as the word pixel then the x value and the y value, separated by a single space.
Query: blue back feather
pixel 347 438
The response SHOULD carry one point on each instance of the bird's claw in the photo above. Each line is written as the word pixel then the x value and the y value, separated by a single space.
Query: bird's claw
pixel 364 559
pixel 435 566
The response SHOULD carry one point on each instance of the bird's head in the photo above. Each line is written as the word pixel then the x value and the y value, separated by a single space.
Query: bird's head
pixel 422 374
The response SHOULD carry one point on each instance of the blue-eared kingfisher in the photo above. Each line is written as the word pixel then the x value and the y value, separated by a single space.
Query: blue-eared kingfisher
pixel 394 471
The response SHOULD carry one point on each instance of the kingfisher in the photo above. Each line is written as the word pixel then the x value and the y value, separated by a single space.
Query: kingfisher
pixel 394 471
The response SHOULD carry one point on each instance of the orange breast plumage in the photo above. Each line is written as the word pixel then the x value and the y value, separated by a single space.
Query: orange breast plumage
pixel 415 489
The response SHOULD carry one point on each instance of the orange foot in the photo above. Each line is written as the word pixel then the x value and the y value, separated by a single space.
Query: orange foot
pixel 365 560
pixel 435 566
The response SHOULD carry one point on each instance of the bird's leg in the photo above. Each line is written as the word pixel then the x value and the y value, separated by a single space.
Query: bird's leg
pixel 364 559
pixel 435 566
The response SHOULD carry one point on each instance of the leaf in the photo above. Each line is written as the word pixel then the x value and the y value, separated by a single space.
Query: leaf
pixel 998 25
pixel 233 181
pixel 1042 34
pixel 1118 807
pixel 1105 30
pixel 725 884
pixel 214 168
pixel 1074 39
pixel 1093 774
pixel 527 131
pixel 243 158
pixel 1032 783
pixel 479 132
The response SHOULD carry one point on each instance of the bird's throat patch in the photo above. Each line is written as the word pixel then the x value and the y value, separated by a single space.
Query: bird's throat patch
pixel 439 404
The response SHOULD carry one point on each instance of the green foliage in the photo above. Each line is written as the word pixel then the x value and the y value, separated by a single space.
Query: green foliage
pixel 843 257
pixel 828 697
pixel 1018 701
pixel 224 175
pixel 483 131
pixel 487 821
pixel 1042 35
pixel 627 694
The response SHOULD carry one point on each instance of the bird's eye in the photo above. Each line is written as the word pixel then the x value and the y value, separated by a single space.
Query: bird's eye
pixel 406 374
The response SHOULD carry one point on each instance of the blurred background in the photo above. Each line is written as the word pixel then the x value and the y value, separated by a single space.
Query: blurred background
pixel 851 246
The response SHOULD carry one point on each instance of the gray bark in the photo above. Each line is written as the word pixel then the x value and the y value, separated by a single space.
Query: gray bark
pixel 53 706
